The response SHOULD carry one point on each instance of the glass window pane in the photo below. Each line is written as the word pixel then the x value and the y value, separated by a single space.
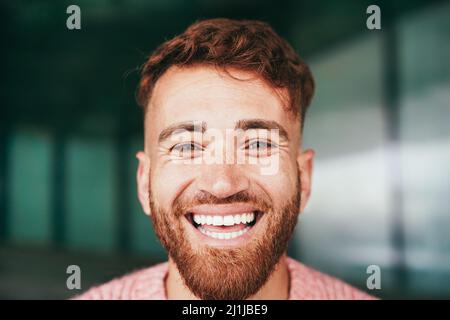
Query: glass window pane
pixel 425 134
pixel 345 227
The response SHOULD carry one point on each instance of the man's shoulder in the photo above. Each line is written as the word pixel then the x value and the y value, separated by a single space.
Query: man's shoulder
pixel 308 283
pixel 143 284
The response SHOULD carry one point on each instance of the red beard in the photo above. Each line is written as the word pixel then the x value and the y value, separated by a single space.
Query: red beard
pixel 227 273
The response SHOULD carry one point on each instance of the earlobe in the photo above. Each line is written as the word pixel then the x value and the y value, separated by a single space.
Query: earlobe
pixel 305 166
pixel 143 181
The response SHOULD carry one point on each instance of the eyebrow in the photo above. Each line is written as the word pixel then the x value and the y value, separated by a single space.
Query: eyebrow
pixel 191 126
pixel 200 126
pixel 248 124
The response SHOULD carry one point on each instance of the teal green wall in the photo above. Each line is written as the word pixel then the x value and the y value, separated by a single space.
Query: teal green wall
pixel 31 164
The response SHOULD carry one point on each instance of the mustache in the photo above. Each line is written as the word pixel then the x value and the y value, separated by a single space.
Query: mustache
pixel 182 205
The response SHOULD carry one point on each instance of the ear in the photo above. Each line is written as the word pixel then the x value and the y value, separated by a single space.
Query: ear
pixel 143 180
pixel 305 166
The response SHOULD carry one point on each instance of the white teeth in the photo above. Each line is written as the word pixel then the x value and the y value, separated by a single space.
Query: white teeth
pixel 224 220
pixel 223 235
pixel 228 221
pixel 217 220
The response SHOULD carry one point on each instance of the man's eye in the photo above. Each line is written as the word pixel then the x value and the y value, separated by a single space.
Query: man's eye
pixel 258 145
pixel 186 149
pixel 260 148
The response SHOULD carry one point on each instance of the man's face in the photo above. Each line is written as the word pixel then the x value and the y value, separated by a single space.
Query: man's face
pixel 225 220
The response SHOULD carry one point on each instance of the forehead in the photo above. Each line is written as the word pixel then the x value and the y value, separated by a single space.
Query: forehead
pixel 206 94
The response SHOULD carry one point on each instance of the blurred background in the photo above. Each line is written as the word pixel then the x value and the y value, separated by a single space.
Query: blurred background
pixel 69 130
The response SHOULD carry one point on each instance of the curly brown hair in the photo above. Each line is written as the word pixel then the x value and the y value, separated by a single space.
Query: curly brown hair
pixel 247 45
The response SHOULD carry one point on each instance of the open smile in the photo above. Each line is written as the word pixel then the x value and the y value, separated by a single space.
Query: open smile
pixel 224 224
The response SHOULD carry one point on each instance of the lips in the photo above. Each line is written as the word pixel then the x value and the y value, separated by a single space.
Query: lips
pixel 223 209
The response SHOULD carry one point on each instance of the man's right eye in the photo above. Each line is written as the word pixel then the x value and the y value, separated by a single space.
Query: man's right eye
pixel 186 150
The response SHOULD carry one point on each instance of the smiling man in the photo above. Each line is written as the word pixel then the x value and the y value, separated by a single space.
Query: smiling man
pixel 223 175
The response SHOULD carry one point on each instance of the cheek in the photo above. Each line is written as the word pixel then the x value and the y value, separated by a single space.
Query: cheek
pixel 168 183
pixel 282 185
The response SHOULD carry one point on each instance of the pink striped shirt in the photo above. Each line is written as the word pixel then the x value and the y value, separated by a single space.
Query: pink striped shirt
pixel 148 284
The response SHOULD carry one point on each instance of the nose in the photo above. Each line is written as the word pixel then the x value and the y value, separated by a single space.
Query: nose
pixel 222 181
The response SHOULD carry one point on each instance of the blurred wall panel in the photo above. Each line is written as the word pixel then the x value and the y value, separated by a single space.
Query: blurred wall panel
pixel 91 183
pixel 30 167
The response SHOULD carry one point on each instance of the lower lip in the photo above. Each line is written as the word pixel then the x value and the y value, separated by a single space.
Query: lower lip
pixel 234 242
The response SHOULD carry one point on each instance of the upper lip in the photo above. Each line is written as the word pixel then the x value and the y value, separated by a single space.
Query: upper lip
pixel 222 209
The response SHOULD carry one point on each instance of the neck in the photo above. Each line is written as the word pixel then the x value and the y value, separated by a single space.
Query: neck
pixel 276 287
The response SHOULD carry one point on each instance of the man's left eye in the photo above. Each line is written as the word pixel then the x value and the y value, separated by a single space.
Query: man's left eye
pixel 258 145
